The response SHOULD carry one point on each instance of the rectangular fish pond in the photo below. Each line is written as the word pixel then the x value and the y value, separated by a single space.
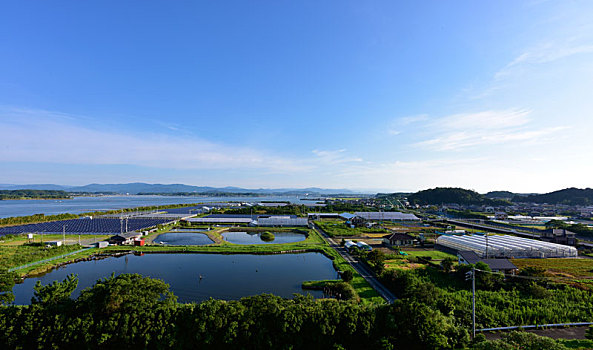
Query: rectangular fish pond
pixel 185 237
pixel 197 277
pixel 263 237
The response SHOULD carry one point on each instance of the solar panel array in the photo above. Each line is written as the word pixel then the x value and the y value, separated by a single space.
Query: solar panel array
pixel 86 226
pixel 506 246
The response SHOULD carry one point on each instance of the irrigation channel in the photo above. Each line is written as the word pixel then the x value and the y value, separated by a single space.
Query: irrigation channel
pixel 198 277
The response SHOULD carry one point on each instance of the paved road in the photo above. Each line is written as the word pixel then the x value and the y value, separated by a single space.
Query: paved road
pixel 360 267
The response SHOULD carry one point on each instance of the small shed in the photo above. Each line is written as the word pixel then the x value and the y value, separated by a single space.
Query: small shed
pixel 139 242
pixel 124 238
pixel 102 244
pixel 496 265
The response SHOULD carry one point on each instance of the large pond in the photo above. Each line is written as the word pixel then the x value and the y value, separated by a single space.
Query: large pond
pixel 231 276
pixel 255 237
pixel 183 238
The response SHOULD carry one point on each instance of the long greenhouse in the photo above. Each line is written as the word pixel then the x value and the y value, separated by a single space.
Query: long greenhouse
pixel 505 246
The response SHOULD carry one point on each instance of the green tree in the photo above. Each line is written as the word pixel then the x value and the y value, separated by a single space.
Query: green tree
pixel 126 292
pixel 376 258
pixel 347 276
pixel 448 264
pixel 55 293
pixel 6 284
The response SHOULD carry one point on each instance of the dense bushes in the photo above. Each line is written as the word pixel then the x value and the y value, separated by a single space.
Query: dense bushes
pixel 131 311
pixel 498 302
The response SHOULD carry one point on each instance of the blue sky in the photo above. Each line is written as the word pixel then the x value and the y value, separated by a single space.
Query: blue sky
pixel 378 95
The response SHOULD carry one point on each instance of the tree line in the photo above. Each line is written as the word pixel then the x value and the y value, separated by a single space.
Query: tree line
pixel 132 311
pixel 33 194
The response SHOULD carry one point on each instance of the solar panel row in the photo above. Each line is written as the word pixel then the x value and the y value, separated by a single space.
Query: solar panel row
pixel 87 226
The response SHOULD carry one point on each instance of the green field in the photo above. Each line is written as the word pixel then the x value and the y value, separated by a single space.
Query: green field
pixel 38 238
pixel 570 268
pixel 336 228
pixel 12 256
pixel 434 254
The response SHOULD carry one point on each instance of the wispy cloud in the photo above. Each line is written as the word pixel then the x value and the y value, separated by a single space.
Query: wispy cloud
pixel 42 136
pixel 461 131
pixel 397 125
pixel 339 156
pixel 544 53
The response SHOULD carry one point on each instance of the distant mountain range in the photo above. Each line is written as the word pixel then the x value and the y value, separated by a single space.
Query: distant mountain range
pixel 140 187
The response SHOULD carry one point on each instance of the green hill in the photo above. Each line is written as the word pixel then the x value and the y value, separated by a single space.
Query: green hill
pixel 568 196
pixel 500 195
pixel 441 195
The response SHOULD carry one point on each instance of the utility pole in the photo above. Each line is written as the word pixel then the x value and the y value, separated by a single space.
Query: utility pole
pixel 64 234
pixel 472 274
pixel 474 302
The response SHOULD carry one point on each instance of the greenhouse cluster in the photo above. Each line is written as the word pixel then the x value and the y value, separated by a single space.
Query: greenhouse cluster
pixel 505 246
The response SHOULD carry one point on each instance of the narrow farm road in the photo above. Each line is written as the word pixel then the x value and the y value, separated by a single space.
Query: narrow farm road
pixel 359 266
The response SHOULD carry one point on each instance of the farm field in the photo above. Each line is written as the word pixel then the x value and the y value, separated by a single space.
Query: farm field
pixel 569 268
pixel 337 228
pixel 11 256
pixel 37 238
pixel 434 254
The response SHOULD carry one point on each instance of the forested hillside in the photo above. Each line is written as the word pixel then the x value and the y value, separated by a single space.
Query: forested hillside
pixel 33 194
pixel 442 195
pixel 568 196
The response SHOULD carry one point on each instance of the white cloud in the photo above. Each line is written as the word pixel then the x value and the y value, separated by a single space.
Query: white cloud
pixel 42 136
pixel 544 53
pixel 486 120
pixel 335 156
pixel 398 124
pixel 462 131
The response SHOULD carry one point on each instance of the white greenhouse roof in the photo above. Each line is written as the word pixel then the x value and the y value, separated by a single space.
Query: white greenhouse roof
pixel 506 246
pixel 387 216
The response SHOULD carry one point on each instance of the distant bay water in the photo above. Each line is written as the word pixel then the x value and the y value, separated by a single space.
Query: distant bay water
pixel 79 205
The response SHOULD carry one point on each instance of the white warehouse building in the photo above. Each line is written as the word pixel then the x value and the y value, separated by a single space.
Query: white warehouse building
pixel 506 246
